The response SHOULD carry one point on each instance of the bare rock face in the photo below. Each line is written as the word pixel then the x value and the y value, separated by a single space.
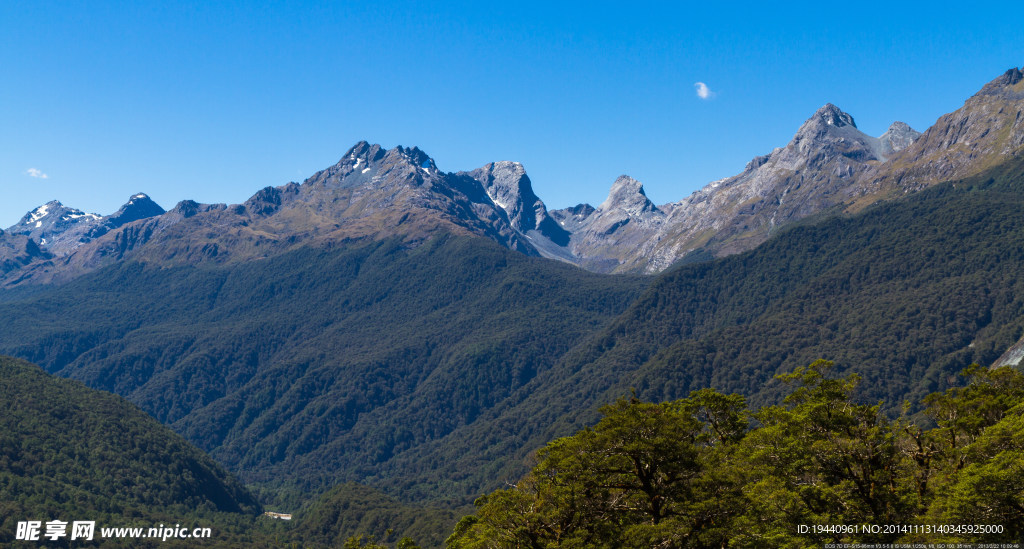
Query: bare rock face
pixel 1012 357
pixel 832 164
pixel 898 137
pixel 375 192
pixel 572 218
pixel 818 169
pixel 138 207
pixel 509 188
pixel 606 237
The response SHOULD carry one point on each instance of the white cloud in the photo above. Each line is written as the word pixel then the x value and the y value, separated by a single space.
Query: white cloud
pixel 38 174
pixel 703 91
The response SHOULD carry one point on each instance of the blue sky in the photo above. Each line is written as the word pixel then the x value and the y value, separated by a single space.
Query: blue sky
pixel 213 101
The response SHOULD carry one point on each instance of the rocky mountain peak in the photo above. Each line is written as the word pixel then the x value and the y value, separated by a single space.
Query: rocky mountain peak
pixel 513 169
pixel 36 215
pixel 899 127
pixel 363 153
pixel 358 159
pixel 831 135
pixel 416 157
pixel 61 230
pixel 49 209
pixel 50 218
pixel 358 150
pixel 580 210
pixel 374 191
pixel 999 85
pixel 832 115
pixel 266 201
pixel 139 206
pixel 508 186
pixel 412 163
pixel 371 164
pixel 898 137
pixel 827 124
pixel 186 208
pixel 627 194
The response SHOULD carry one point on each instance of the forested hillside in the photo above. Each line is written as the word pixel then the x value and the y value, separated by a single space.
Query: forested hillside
pixel 351 510
pixel 319 365
pixel 71 453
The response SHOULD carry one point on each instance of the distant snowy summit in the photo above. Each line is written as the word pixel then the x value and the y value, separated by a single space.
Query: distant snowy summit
pixel 60 229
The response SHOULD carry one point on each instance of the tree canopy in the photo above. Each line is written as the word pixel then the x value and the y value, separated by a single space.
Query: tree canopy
pixel 704 471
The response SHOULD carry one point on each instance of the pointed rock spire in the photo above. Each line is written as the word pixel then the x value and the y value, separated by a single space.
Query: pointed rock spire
pixel 832 115
pixel 627 194
pixel 139 206
pixel 361 155
pixel 898 137
pixel 828 116
pixel 508 186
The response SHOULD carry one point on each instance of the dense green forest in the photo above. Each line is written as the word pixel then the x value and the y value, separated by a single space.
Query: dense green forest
pixel 315 367
pixel 68 452
pixel 696 472
pixel 351 510
pixel 819 468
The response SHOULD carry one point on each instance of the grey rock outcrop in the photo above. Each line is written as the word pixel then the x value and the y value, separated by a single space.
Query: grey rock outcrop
pixel 509 188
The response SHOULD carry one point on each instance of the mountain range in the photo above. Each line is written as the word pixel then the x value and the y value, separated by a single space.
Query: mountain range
pixel 372 192
pixel 422 332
